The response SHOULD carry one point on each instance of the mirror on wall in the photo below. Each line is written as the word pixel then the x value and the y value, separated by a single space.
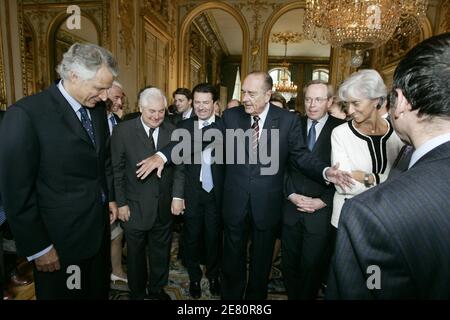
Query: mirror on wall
pixel 293 60
pixel 215 52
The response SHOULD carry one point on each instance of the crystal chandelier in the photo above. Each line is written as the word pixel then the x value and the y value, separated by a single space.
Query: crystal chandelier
pixel 284 86
pixel 359 25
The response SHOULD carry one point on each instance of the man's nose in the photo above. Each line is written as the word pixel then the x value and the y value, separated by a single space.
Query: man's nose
pixel 103 95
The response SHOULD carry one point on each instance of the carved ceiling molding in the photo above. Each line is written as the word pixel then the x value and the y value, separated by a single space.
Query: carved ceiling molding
pixel 205 26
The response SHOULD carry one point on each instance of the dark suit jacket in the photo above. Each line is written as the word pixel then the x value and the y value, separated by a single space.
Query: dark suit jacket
pixel 244 182
pixel 402 226
pixel 149 198
pixel 52 176
pixel 298 182
pixel 178 117
pixel 191 171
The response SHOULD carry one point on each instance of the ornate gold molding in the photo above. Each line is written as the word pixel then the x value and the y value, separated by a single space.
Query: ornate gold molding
pixel 126 16
pixel 183 54
pixel 256 6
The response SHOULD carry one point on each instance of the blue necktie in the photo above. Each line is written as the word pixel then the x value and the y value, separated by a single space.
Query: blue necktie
pixel 87 124
pixel 207 179
pixel 2 215
pixel 312 135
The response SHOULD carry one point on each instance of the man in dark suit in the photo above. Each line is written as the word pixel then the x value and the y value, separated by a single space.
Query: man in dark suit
pixel 182 99
pixel 54 167
pixel 2 221
pixel 253 187
pixel 393 241
pixel 203 190
pixel 307 212
pixel 144 205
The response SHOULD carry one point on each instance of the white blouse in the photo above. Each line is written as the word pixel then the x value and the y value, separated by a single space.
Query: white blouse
pixel 354 150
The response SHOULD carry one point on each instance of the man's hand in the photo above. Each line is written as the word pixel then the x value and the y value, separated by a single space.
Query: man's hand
pixel 341 178
pixel 113 211
pixel 177 207
pixel 148 165
pixel 124 213
pixel 306 204
pixel 48 262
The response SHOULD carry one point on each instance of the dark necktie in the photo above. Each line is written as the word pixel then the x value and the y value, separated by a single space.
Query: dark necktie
pixel 312 135
pixel 150 136
pixel 113 121
pixel 2 215
pixel 87 124
pixel 255 136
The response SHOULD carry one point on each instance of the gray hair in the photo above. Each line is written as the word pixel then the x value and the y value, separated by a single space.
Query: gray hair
pixel 150 95
pixel 85 60
pixel 364 84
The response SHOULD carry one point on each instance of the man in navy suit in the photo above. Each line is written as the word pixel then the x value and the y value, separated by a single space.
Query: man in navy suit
pixel 56 177
pixel 307 212
pixel 253 188
pixel 393 241
pixel 203 192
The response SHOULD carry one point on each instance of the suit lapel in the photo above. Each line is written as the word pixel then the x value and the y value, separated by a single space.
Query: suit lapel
pixel 68 115
pixel 97 116
pixel 323 133
pixel 163 136
pixel 272 122
pixel 304 122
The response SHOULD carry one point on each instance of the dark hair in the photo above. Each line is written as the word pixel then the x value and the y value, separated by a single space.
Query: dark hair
pixel 268 82
pixel 185 92
pixel 423 76
pixel 206 88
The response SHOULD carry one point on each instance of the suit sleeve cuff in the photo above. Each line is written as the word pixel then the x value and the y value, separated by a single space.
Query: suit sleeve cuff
pixel 40 253
pixel 159 153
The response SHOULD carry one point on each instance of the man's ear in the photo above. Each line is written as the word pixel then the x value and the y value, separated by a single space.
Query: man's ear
pixel 402 103
pixel 73 77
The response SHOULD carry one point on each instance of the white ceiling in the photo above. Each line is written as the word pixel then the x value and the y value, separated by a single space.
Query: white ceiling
pixel 231 33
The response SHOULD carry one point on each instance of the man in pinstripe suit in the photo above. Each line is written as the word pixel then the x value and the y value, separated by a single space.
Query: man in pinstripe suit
pixel 394 240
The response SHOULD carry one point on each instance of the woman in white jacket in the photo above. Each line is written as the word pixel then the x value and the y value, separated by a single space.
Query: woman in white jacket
pixel 367 145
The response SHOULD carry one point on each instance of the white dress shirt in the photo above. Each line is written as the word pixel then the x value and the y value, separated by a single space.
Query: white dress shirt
pixel 155 133
pixel 427 147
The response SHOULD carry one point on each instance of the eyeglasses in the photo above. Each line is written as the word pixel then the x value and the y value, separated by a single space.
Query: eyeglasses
pixel 317 100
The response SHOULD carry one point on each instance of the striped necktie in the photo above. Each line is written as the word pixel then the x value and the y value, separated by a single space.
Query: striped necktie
pixel 255 136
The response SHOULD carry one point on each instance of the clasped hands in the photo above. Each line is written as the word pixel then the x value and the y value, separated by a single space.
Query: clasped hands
pixel 306 204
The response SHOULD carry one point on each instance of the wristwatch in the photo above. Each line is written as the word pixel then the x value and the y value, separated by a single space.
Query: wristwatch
pixel 366 180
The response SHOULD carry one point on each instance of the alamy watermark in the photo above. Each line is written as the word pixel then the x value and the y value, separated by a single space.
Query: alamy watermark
pixel 228 148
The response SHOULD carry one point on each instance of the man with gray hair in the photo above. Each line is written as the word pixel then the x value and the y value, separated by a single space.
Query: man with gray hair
pixel 145 205
pixel 56 177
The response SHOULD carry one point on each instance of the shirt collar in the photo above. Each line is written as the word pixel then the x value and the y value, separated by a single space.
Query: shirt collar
pixel 427 147
pixel 263 115
pixel 147 128
pixel 322 120
pixel 72 102
pixel 211 120
pixel 187 113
